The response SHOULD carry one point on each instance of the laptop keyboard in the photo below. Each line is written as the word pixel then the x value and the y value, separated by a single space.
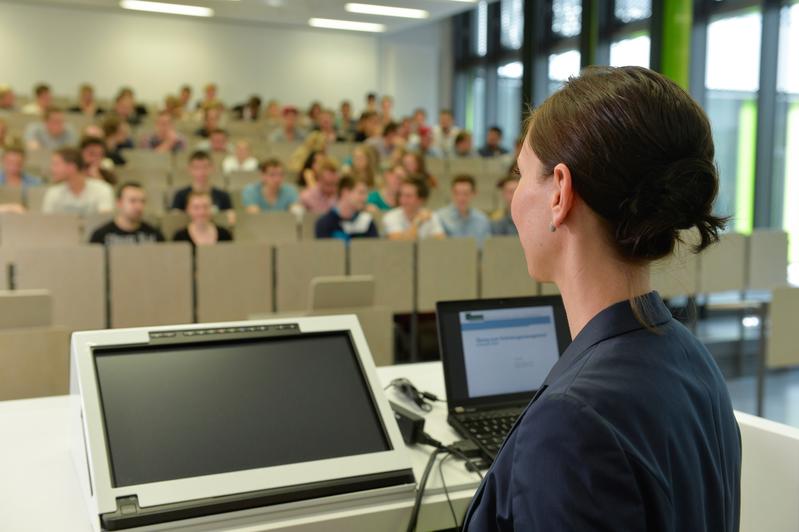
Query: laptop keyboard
pixel 490 428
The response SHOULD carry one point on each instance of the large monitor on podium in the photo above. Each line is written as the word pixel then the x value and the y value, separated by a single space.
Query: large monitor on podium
pixel 211 422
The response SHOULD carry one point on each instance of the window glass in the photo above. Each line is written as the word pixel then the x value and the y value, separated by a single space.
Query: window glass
pixel 732 80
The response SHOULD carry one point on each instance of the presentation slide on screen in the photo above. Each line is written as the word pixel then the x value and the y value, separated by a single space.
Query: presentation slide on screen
pixel 508 350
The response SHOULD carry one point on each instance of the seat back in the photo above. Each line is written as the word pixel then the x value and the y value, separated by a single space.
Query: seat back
pixel 447 270
pixel 150 284
pixel 234 281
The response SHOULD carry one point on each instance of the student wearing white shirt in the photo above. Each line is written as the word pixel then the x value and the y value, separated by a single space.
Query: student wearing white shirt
pixel 75 192
pixel 412 220
pixel 241 160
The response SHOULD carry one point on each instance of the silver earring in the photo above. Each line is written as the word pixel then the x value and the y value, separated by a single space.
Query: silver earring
pixel 552 228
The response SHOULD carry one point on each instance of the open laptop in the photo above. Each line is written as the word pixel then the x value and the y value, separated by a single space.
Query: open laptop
pixel 203 425
pixel 496 354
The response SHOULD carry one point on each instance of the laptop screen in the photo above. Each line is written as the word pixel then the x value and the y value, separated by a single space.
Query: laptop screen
pixel 500 350
pixel 179 411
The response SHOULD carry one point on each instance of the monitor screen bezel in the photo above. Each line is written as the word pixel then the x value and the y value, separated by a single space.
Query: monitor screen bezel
pixel 85 386
pixel 451 346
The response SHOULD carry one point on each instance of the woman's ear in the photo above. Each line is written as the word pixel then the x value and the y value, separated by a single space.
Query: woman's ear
pixel 562 195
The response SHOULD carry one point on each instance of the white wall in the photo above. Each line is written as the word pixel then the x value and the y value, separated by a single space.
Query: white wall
pixel 414 64
pixel 156 54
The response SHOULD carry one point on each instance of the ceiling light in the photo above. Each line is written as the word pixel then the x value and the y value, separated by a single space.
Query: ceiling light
pixel 333 24
pixel 171 9
pixel 386 11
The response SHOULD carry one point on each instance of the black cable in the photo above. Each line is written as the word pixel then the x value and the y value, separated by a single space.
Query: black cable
pixel 465 459
pixel 417 504
pixel 446 490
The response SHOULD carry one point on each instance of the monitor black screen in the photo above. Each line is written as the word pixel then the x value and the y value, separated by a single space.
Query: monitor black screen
pixel 189 410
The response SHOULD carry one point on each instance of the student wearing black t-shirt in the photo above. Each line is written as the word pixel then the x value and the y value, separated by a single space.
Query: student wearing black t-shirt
pixel 348 219
pixel 201 229
pixel 127 226
pixel 200 168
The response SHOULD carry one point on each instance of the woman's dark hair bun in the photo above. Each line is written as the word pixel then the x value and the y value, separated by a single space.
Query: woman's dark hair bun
pixel 670 200
pixel 641 155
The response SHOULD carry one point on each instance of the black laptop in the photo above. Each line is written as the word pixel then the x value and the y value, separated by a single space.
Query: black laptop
pixel 496 354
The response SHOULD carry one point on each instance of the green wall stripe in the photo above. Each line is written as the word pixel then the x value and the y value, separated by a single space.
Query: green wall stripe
pixel 745 176
pixel 790 214
pixel 676 47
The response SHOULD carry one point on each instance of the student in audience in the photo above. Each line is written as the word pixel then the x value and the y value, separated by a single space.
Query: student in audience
pixel 459 218
pixel 321 197
pixel 8 100
pixel 270 193
pixel 74 191
pixel 128 226
pixel 387 110
pixel 217 143
pixel 116 134
pixel 251 110
pixel 369 127
pixel 42 100
pixel 241 160
pixel 184 97
pixel 172 107
pixel 200 168
pixel 138 110
pixel 212 117
pixel 348 219
pixel 210 97
pixel 385 198
pixel 273 113
pixel 414 164
pixel 501 221
pixel 289 130
pixel 326 126
pixel 51 134
pixel 92 150
pixel 365 162
pixel 463 145
pixel 311 168
pixel 412 220
pixel 346 123
pixel 445 132
pixel 313 115
pixel 493 146
pixel 201 230
pixel 5 138
pixel 388 142
pixel 371 103
pixel 166 139
pixel 125 108
pixel 419 120
pixel 87 105
pixel 13 173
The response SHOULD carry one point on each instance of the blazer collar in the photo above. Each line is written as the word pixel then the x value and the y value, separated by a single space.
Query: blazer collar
pixel 615 320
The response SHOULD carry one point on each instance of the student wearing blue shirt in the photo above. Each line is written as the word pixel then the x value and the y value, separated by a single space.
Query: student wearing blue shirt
pixel 348 219
pixel 459 218
pixel 270 193
pixel 13 174
pixel 633 428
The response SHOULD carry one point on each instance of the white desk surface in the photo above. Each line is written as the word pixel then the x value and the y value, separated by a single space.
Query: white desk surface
pixel 39 488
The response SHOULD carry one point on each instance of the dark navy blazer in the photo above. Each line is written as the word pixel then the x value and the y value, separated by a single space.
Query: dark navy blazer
pixel 632 430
